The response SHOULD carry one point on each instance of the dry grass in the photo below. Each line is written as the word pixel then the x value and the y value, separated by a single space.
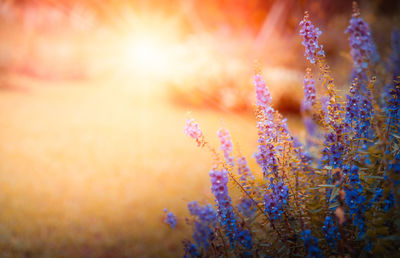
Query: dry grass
pixel 87 168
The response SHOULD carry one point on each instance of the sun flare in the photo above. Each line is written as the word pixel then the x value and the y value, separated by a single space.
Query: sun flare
pixel 146 55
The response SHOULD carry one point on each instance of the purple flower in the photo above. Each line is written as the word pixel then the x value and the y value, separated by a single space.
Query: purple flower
pixel 310 35
pixel 311 130
pixel 309 92
pixel 334 148
pixel 325 100
pixel 170 219
pixel 227 218
pixel 247 207
pixel 265 156
pixel 190 250
pixel 205 213
pixel 363 49
pixel 202 234
pixel 192 129
pixel 266 159
pixel 364 119
pixel 262 92
pixel 226 145
pixel 276 200
pixel 204 224
pixel 352 106
pixel 244 170
pixel 363 52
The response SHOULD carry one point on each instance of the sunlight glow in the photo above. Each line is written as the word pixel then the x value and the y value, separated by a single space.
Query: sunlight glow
pixel 146 55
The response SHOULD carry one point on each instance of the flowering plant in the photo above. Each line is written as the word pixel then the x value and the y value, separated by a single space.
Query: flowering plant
pixel 338 194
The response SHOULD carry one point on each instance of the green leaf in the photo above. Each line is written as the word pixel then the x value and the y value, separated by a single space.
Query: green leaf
pixel 374 177
pixel 327 186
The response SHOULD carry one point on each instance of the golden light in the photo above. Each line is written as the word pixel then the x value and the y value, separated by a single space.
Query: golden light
pixel 146 46
pixel 146 55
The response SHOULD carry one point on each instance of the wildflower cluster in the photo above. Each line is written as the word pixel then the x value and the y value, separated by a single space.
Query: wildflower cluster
pixel 362 45
pixel 330 231
pixel 355 199
pixel 276 199
pixel 336 196
pixel 310 244
pixel 219 187
pixel 204 224
pixel 244 170
pixel 170 219
pixel 226 145
pixel 310 35
pixel 192 129
pixel 309 91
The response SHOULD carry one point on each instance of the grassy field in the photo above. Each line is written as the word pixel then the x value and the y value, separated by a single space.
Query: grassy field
pixel 86 168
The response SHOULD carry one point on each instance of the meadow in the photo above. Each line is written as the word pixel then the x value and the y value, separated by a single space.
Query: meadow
pixel 87 169
pixel 97 102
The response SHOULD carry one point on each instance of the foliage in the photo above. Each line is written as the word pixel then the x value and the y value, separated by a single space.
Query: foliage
pixel 337 196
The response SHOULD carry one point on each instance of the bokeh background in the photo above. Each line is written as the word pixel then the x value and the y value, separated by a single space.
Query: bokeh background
pixel 93 100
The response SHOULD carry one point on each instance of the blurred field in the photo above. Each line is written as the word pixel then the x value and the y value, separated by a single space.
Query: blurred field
pixel 94 97
pixel 92 148
pixel 87 171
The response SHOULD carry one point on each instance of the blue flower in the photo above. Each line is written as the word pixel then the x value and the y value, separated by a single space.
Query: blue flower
pixel 205 213
pixel 389 202
pixel 202 234
pixel 334 148
pixel 227 218
pixel 204 225
pixel 355 200
pixel 378 195
pixel 352 106
pixel 190 250
pixel 364 121
pixel 245 239
pixel 331 231
pixel 170 219
pixel 311 244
